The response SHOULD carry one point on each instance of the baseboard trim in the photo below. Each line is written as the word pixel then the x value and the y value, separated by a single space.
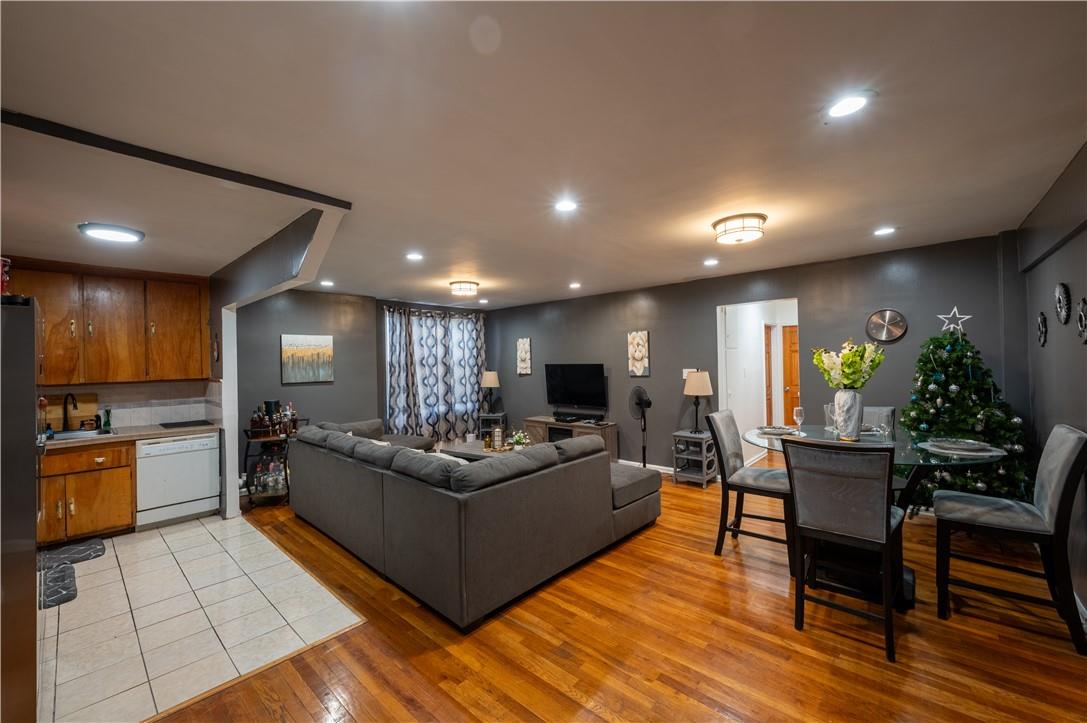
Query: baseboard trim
pixel 632 463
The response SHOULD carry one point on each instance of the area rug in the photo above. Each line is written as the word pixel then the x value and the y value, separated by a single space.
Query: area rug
pixel 58 586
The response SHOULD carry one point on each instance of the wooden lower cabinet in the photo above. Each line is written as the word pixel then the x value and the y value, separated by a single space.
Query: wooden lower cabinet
pixel 79 498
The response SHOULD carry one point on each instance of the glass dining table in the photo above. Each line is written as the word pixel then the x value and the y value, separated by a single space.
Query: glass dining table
pixel 921 462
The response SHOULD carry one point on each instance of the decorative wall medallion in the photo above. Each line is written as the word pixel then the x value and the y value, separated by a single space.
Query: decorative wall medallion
pixel 1063 301
pixel 1043 329
pixel 1081 319
pixel 524 356
pixel 887 325
pixel 638 353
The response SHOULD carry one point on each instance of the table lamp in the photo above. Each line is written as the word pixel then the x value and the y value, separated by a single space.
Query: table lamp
pixel 697 385
pixel 490 381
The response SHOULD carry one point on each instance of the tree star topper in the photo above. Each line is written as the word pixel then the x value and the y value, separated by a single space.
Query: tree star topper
pixel 954 320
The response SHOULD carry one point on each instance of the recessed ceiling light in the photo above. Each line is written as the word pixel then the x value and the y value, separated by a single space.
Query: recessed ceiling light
pixel 709 262
pixel 110 232
pixel 850 104
pixel 483 301
pixel 463 288
pixel 327 282
pixel 739 229
pixel 413 256
pixel 575 284
pixel 884 231
pixel 566 205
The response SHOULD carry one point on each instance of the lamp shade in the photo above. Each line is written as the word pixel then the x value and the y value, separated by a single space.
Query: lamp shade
pixel 698 384
pixel 490 380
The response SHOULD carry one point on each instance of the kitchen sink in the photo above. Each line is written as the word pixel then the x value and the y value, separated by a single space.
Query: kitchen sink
pixel 81 434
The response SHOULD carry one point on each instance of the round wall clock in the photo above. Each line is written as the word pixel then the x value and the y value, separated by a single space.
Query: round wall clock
pixel 887 325
pixel 1043 329
pixel 1063 301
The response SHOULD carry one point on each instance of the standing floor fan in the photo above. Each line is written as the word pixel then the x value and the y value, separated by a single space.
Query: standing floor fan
pixel 639 403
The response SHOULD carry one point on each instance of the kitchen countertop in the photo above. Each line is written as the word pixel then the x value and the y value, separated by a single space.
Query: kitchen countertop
pixel 130 434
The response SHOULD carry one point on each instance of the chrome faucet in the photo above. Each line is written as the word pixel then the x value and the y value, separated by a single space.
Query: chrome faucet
pixel 64 422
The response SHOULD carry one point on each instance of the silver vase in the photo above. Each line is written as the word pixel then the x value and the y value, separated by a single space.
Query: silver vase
pixel 848 413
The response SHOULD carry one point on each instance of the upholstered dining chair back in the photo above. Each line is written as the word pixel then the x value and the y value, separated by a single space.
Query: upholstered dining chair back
pixel 1062 459
pixel 841 488
pixel 875 416
pixel 728 440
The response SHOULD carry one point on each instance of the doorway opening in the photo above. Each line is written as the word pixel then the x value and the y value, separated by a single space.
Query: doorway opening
pixel 758 364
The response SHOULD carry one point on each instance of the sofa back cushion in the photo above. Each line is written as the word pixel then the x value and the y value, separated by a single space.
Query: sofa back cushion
pixel 330 426
pixel 578 447
pixel 342 443
pixel 369 428
pixel 379 455
pixel 313 435
pixel 429 468
pixel 503 467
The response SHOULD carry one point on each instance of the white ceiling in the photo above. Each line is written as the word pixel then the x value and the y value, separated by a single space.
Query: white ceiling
pixel 453 127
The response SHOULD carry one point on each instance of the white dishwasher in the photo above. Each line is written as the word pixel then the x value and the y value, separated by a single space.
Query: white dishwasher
pixel 176 477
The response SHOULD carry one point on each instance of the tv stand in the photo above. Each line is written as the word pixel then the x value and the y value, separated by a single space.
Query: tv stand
pixel 551 429
pixel 577 417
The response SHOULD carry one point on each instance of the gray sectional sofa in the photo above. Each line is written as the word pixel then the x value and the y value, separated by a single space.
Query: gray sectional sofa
pixel 467 538
pixel 375 429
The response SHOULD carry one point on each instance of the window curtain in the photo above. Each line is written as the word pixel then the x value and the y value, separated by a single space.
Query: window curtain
pixel 434 363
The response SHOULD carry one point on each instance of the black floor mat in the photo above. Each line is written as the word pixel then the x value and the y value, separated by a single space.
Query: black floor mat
pixel 69 554
pixel 58 586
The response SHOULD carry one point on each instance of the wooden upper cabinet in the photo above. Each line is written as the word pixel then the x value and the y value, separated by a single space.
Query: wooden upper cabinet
pixel 60 323
pixel 175 331
pixel 114 340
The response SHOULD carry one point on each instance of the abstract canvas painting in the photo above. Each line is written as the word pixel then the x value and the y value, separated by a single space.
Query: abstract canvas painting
pixel 638 353
pixel 305 358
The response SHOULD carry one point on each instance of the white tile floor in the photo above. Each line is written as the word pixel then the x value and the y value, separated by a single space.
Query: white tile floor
pixel 170 613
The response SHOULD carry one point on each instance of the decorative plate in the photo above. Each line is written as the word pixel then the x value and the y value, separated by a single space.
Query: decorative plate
pixel 960 444
pixel 1043 329
pixel 1063 300
pixel 1081 319
pixel 774 431
pixel 886 325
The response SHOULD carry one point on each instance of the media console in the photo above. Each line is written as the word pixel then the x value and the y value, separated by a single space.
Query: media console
pixel 549 429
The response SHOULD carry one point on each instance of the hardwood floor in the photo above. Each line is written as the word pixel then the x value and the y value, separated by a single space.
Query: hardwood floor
pixel 657 628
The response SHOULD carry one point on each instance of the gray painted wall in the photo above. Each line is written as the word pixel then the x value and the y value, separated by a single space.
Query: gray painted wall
pixel 835 299
pixel 351 320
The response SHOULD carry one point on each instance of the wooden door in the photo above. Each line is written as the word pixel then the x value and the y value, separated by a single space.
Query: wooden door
pixel 768 370
pixel 174 331
pixel 114 343
pixel 790 369
pixel 60 323
pixel 51 520
pixel 99 500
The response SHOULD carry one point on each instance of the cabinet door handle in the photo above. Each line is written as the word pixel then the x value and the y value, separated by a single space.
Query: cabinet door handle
pixel 71 328
pixel 43 325
pixel 99 460
pixel 60 510
pixel 71 506
pixel 90 328
pixel 152 328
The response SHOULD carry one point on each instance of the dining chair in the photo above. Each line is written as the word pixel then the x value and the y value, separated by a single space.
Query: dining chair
pixel 761 481
pixel 841 494
pixel 1053 521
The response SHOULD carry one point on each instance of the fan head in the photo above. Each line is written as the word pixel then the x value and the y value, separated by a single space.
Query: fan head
pixel 639 402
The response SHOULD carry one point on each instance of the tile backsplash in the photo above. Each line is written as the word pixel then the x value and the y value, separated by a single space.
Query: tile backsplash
pixel 140 403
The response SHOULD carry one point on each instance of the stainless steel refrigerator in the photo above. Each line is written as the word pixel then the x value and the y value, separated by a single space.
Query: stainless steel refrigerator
pixel 20 656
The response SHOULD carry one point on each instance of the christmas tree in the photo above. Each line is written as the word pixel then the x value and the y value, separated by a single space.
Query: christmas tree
pixel 954 395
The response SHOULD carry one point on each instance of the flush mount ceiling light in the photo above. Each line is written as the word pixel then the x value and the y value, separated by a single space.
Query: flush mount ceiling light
pixel 575 284
pixel 884 231
pixel 566 205
pixel 110 232
pixel 327 282
pixel 413 256
pixel 739 229
pixel 709 262
pixel 463 288
pixel 850 104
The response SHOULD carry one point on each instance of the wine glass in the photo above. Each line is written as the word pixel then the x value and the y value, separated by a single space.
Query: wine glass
pixel 798 416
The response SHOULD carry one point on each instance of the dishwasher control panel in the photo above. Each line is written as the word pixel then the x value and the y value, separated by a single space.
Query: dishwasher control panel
pixel 176 445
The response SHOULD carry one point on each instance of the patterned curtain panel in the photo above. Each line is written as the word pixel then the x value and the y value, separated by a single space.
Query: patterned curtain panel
pixel 434 363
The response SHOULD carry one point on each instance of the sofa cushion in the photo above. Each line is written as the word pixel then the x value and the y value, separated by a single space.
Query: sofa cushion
pixel 412 441
pixel 630 484
pixel 331 426
pixel 342 443
pixel 313 435
pixel 369 428
pixel 578 447
pixel 378 454
pixel 491 471
pixel 429 468
pixel 543 455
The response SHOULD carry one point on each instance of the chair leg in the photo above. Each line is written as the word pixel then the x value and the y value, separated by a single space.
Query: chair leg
pixel 943 569
pixel 739 514
pixel 798 603
pixel 889 589
pixel 1046 552
pixel 1065 598
pixel 791 537
pixel 724 519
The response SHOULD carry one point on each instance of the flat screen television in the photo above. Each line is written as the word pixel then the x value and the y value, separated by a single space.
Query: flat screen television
pixel 576 385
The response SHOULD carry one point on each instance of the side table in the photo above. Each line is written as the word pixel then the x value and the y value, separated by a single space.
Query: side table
pixel 694 457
